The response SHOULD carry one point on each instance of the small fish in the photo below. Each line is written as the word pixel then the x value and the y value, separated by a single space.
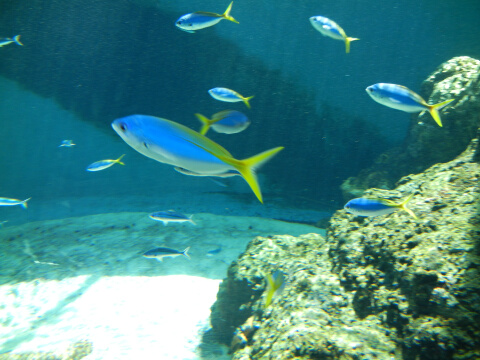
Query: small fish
pixel 170 216
pixel 228 95
pixel 201 20
pixel 401 98
pixel 214 251
pixel 6 41
pixel 227 174
pixel 275 286
pixel 174 144
pixel 225 122
pixel 331 29
pixel 67 143
pixel 163 252
pixel 104 164
pixel 376 207
pixel 12 202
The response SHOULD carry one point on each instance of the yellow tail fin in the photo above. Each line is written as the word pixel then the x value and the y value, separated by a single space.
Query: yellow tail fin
pixel 118 160
pixel 348 40
pixel 206 123
pixel 24 203
pixel 247 167
pixel 435 110
pixel 246 101
pixel 227 15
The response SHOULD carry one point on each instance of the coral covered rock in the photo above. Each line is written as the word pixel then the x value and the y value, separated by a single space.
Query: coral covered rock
pixel 386 287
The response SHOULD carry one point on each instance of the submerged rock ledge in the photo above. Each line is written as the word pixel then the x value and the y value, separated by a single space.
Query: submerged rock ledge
pixel 389 287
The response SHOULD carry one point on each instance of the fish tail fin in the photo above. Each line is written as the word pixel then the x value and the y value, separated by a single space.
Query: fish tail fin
pixel 185 253
pixel 118 160
pixel 191 220
pixel 435 110
pixel 24 203
pixel 246 101
pixel 206 123
pixel 403 206
pixel 348 40
pixel 16 38
pixel 247 168
pixel 270 290
pixel 226 15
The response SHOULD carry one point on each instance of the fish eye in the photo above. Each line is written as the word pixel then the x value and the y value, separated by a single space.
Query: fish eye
pixel 145 144
pixel 179 22
pixel 123 127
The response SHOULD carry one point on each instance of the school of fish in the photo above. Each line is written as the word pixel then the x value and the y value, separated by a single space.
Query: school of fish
pixel 192 153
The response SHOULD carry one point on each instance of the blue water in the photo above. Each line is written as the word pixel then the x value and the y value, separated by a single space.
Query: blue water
pixel 309 94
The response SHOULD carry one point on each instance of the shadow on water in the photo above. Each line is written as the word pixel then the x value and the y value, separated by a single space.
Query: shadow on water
pixel 108 59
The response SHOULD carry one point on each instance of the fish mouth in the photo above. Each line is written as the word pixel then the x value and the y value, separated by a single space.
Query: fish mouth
pixel 369 89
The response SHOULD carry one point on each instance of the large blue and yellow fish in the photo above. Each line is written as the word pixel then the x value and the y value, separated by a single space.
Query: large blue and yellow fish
pixel 202 19
pixel 174 144
pixel 375 207
pixel 402 98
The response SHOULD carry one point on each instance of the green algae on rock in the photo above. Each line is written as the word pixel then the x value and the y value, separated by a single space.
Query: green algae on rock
pixel 428 144
pixel 388 287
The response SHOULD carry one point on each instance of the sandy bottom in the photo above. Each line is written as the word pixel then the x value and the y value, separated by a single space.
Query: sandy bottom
pixel 84 278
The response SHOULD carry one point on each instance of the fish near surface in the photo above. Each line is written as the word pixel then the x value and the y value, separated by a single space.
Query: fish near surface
pixel 171 143
pixel 201 19
pixel 162 252
pixel 376 207
pixel 402 98
pixel 331 29
pixel 225 122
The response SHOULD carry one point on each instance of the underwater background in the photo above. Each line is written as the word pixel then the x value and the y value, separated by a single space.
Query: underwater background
pixel 84 64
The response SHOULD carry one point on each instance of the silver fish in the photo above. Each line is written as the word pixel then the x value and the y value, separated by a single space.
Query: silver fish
pixel 163 252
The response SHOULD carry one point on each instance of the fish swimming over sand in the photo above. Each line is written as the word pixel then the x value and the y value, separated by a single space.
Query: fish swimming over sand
pixel 331 29
pixel 171 216
pixel 104 164
pixel 6 41
pixel 376 207
pixel 225 122
pixel 201 20
pixel 162 252
pixel 13 202
pixel 174 144
pixel 228 95
pixel 275 286
pixel 67 143
pixel 215 251
pixel 401 98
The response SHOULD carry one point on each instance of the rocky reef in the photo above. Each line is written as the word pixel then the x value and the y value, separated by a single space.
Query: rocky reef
pixel 427 143
pixel 386 287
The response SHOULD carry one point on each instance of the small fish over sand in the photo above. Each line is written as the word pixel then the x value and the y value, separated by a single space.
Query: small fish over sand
pixel 225 122
pixel 7 41
pixel 162 252
pixel 402 98
pixel 331 29
pixel 104 164
pixel 201 20
pixel 275 286
pixel 376 207
pixel 13 202
pixel 171 143
pixel 171 216
pixel 228 95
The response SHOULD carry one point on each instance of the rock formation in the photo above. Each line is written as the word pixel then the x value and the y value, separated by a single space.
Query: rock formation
pixel 386 287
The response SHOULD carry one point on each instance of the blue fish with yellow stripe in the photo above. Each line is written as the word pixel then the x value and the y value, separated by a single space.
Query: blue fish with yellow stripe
pixel 171 143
